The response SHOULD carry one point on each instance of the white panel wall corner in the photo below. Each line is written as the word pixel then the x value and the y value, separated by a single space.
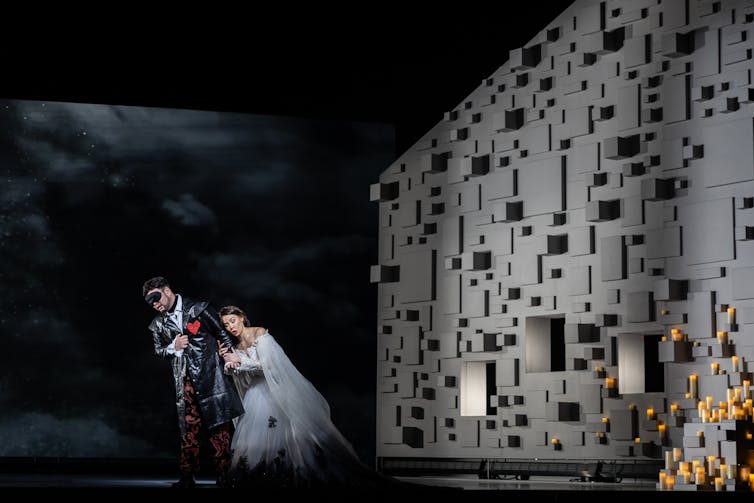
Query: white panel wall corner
pixel 591 237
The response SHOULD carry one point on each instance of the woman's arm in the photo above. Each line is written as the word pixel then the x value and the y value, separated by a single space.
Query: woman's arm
pixel 240 361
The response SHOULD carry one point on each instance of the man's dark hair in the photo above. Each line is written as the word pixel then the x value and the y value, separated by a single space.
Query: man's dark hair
pixel 152 283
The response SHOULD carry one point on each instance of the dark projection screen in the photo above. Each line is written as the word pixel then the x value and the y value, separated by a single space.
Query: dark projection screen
pixel 268 213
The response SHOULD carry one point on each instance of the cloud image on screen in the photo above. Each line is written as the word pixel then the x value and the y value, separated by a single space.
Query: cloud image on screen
pixel 268 213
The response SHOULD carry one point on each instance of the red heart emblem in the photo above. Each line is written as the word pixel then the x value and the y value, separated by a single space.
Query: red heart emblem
pixel 194 326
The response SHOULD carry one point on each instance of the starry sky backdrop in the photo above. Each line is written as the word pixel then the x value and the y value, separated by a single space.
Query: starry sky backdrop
pixel 269 213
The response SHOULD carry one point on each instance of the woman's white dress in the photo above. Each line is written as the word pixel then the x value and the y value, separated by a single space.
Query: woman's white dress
pixel 286 432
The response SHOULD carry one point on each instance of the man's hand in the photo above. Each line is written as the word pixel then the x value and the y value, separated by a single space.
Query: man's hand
pixel 181 342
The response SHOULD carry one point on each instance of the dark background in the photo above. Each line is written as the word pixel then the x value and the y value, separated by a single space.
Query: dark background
pixel 387 64
pixel 397 69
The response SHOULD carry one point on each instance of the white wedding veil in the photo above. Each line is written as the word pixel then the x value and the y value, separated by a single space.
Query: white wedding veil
pixel 308 412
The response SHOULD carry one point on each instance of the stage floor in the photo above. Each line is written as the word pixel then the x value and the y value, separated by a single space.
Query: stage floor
pixel 416 489
pixel 458 482
pixel 542 483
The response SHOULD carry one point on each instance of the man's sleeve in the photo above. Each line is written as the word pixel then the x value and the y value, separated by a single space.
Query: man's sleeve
pixel 163 350
pixel 216 327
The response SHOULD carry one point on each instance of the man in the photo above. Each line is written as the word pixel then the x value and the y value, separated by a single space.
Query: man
pixel 188 332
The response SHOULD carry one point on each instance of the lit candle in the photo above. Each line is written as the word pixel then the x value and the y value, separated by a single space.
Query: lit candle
pixel 673 409
pixel 734 361
pixel 718 484
pixel 711 465
pixel 709 402
pixel 670 482
pixel 744 473
pixel 701 478
pixel 664 311
pixel 610 382
pixel 731 471
pixel 664 338
pixel 693 386
pixel 662 430
pixel 677 453
pixel 714 368
pixel 746 385
pixel 722 337
pixel 739 413
pixel 650 413
pixel 663 485
pixel 677 334
pixel 732 315
pixel 668 460
pixel 605 420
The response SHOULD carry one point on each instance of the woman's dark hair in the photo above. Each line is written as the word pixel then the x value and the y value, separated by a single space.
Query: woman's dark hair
pixel 228 310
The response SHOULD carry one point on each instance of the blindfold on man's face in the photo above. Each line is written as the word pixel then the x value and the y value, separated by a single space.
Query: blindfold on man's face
pixel 153 297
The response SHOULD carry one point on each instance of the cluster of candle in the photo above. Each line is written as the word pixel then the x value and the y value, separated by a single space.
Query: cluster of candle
pixel 734 360
pixel 709 470
pixel 662 428
pixel 733 408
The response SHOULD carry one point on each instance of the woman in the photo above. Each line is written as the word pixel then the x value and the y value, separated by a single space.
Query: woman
pixel 286 435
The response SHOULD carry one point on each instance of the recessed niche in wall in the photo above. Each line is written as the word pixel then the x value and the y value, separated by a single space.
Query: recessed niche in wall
pixel 639 368
pixel 545 344
pixel 654 369
pixel 477 386
pixel 491 389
